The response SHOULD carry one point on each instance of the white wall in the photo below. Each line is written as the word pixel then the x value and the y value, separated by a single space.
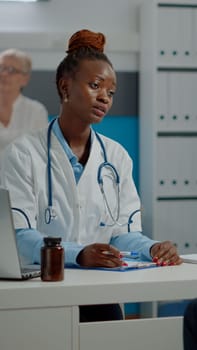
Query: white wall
pixel 43 28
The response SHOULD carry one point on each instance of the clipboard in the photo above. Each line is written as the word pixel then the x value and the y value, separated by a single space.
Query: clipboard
pixel 132 264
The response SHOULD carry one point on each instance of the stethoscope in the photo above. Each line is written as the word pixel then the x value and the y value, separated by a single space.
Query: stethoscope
pixel 50 211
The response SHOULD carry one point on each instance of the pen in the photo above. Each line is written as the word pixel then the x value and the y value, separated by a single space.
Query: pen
pixel 124 254
pixel 131 255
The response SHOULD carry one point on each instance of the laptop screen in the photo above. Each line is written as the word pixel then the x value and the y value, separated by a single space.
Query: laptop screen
pixel 9 258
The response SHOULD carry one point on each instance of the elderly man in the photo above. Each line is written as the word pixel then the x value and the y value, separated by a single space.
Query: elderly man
pixel 18 114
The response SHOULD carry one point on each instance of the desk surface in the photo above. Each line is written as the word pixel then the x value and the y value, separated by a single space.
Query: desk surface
pixel 93 286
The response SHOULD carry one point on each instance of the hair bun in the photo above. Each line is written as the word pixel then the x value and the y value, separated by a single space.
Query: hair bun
pixel 86 38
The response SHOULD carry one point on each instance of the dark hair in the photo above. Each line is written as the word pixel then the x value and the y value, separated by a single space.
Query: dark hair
pixel 82 45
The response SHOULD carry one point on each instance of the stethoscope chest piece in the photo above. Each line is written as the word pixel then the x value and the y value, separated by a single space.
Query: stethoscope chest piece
pixel 49 215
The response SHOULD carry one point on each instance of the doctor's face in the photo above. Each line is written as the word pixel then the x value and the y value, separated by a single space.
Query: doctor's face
pixel 90 92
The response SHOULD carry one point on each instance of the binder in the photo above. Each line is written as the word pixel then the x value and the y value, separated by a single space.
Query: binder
pixel 175 35
pixel 162 101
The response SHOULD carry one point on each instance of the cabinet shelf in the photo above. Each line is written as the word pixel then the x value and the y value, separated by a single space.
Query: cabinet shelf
pixel 180 198
pixel 177 5
pixel 177 134
pixel 177 69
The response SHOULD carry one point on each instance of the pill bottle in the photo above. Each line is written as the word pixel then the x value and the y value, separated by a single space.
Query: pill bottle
pixel 52 260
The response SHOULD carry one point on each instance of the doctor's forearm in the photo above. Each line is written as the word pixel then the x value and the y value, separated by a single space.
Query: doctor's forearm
pixel 134 241
pixel 71 252
pixel 30 241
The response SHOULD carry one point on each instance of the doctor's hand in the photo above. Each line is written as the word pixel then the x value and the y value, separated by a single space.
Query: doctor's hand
pixel 99 255
pixel 165 253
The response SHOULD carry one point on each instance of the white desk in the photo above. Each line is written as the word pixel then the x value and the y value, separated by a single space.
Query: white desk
pixel 37 315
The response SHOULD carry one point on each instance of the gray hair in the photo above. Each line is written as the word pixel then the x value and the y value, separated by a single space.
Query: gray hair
pixel 21 56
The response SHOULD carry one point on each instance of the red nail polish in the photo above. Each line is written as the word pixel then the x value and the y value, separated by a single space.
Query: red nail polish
pixel 124 264
pixel 155 259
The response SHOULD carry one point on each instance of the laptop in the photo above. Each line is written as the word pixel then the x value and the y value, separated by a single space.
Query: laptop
pixel 10 262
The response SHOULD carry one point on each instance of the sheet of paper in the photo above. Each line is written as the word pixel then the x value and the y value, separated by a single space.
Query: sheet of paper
pixel 189 258
pixel 133 264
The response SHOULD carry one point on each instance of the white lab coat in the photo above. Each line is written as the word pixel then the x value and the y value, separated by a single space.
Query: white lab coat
pixel 27 115
pixel 79 208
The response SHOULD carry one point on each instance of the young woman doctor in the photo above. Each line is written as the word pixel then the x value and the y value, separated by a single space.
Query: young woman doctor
pixel 73 183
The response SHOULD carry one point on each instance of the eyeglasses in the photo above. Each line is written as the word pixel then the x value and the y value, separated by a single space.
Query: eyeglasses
pixel 11 70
